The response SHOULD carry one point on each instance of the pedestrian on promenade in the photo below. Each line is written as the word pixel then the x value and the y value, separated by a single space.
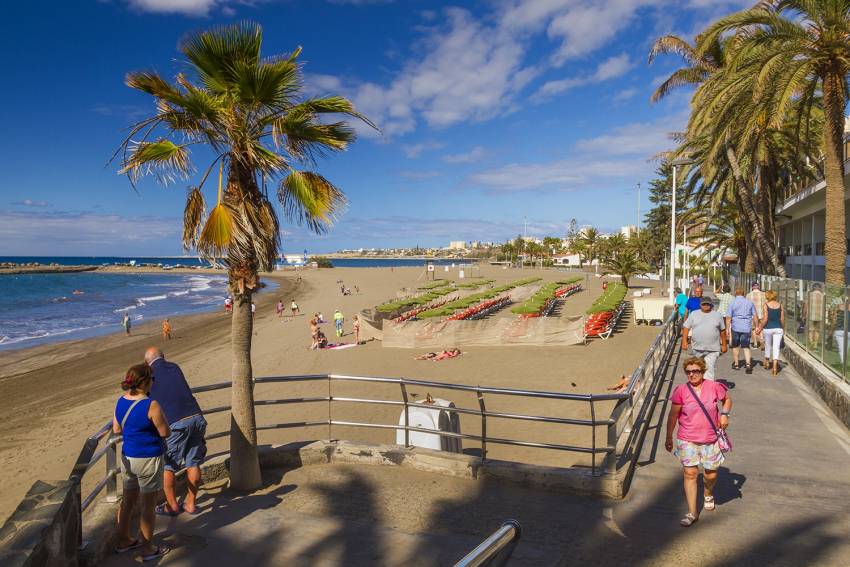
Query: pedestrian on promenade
pixel 339 319
pixel 740 319
pixel 696 440
pixel 166 330
pixel 772 324
pixel 143 425
pixel 705 332
pixel 812 314
pixel 756 295
pixel 694 302
pixel 185 446
pixel 681 301
pixel 724 298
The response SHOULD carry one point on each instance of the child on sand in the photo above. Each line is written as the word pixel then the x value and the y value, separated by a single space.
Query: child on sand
pixel 166 330
pixel 279 308
pixel 294 307
pixel 356 324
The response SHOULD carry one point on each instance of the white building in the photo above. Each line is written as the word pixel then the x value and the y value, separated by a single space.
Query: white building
pixel 571 261
pixel 457 245
pixel 628 230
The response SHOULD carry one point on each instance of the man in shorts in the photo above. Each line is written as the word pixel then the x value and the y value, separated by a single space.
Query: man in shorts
pixel 186 446
pixel 740 319
pixel 705 331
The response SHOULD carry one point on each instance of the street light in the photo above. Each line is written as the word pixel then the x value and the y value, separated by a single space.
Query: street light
pixel 676 163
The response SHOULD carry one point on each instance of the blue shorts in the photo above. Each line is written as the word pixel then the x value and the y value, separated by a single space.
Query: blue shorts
pixel 186 447
pixel 741 339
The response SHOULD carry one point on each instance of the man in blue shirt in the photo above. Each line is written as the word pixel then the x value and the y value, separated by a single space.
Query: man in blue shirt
pixel 186 446
pixel 693 303
pixel 740 318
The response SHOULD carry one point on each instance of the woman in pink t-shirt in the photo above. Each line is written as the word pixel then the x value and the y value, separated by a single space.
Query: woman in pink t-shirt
pixel 696 441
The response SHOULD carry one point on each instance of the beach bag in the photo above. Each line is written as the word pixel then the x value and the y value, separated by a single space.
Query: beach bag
pixel 723 440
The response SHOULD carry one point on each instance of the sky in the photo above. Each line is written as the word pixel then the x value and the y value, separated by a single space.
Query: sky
pixel 496 116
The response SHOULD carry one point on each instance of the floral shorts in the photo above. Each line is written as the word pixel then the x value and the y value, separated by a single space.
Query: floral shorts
pixel 695 454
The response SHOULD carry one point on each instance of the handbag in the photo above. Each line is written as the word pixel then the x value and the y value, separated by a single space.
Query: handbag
pixel 723 440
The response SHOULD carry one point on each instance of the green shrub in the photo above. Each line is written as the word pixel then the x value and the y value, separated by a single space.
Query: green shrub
pixel 609 300
pixel 321 261
pixel 536 302
pixel 475 298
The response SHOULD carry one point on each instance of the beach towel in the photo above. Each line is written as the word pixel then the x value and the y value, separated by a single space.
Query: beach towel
pixel 339 346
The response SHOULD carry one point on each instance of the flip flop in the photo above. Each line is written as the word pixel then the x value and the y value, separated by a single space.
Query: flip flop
pixel 162 511
pixel 195 513
pixel 133 545
pixel 159 552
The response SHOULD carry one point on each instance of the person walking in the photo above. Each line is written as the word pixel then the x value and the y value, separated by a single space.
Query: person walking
pixel 166 330
pixel 356 323
pixel 812 315
pixel 294 307
pixel 125 322
pixel 705 332
pixel 772 324
pixel 740 319
pixel 681 301
pixel 185 446
pixel 693 304
pixel 724 298
pixel 696 439
pixel 339 319
pixel 279 308
pixel 141 422
pixel 756 295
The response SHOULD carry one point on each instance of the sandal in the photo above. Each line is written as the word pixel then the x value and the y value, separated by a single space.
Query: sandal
pixel 158 552
pixel 133 545
pixel 162 510
pixel 708 503
pixel 688 520
pixel 735 366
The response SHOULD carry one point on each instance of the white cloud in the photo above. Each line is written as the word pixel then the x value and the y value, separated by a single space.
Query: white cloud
pixel 625 94
pixel 415 150
pixel 473 155
pixel 31 203
pixel 194 8
pixel 640 139
pixel 560 175
pixel 85 233
pixel 611 68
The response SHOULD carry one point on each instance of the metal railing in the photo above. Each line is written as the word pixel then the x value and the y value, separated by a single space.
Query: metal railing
pixel 625 425
pixel 817 316
pixel 496 549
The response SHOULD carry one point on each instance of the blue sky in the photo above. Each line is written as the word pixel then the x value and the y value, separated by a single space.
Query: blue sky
pixel 490 111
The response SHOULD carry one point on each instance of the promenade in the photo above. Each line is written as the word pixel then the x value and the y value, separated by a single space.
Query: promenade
pixel 781 501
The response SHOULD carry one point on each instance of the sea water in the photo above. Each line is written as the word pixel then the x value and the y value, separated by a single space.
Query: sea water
pixel 40 308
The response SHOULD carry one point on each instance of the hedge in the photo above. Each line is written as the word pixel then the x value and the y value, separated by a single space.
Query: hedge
pixel 435 284
pixel 465 302
pixel 398 304
pixel 609 300
pixel 536 302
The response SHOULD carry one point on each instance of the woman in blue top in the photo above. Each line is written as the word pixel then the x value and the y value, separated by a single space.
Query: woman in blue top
pixel 144 427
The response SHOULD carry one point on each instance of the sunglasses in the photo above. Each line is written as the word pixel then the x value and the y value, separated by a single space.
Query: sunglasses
pixel 690 371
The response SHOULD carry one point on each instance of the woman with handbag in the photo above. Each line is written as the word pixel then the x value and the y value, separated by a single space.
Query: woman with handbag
pixel 701 438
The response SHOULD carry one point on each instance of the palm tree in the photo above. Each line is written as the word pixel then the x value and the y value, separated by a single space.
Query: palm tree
pixel 590 241
pixel 699 65
pixel 247 110
pixel 801 48
pixel 625 263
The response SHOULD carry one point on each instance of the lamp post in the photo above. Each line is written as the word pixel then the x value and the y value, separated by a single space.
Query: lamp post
pixel 676 163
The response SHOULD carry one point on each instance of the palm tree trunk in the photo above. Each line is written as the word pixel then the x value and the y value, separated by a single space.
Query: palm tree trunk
pixel 762 245
pixel 244 462
pixel 833 149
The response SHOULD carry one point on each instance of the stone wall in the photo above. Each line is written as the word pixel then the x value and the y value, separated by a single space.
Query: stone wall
pixel 45 528
pixel 832 390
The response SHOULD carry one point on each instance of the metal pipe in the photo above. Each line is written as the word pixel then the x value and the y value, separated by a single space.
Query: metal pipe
pixel 483 409
pixel 496 549
pixel 96 490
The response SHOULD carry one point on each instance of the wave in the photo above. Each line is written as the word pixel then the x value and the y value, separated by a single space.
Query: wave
pixel 41 334
pixel 199 283
pixel 153 298
pixel 179 293
pixel 123 309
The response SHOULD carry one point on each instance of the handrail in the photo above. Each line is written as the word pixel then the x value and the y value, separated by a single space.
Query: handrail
pixel 496 549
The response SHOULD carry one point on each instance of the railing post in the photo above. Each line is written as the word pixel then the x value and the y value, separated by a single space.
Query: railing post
pixel 406 414
pixel 593 437
pixel 610 463
pixel 112 465
pixel 330 414
pixel 483 410
pixel 844 343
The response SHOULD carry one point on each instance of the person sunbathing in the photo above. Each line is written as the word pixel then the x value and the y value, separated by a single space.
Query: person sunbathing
pixel 621 385
pixel 451 353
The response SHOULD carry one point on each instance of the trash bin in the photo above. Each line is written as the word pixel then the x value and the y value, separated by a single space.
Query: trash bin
pixel 428 414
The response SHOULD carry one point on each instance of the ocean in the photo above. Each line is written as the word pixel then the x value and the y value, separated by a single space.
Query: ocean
pixel 43 308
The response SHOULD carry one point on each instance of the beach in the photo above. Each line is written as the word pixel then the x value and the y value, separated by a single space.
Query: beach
pixel 53 396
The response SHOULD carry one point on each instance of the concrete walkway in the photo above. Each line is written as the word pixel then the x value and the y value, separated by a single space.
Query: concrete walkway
pixel 782 500
pixel 781 496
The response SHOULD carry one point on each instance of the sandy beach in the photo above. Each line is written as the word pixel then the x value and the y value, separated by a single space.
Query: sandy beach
pixel 53 396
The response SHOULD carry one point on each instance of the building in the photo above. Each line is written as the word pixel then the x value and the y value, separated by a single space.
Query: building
pixel 628 230
pixel 457 245
pixel 801 220
pixel 572 261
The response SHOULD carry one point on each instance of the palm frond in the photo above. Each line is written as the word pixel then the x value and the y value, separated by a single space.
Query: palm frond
pixel 310 199
pixel 162 158
pixel 193 214
pixel 216 236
